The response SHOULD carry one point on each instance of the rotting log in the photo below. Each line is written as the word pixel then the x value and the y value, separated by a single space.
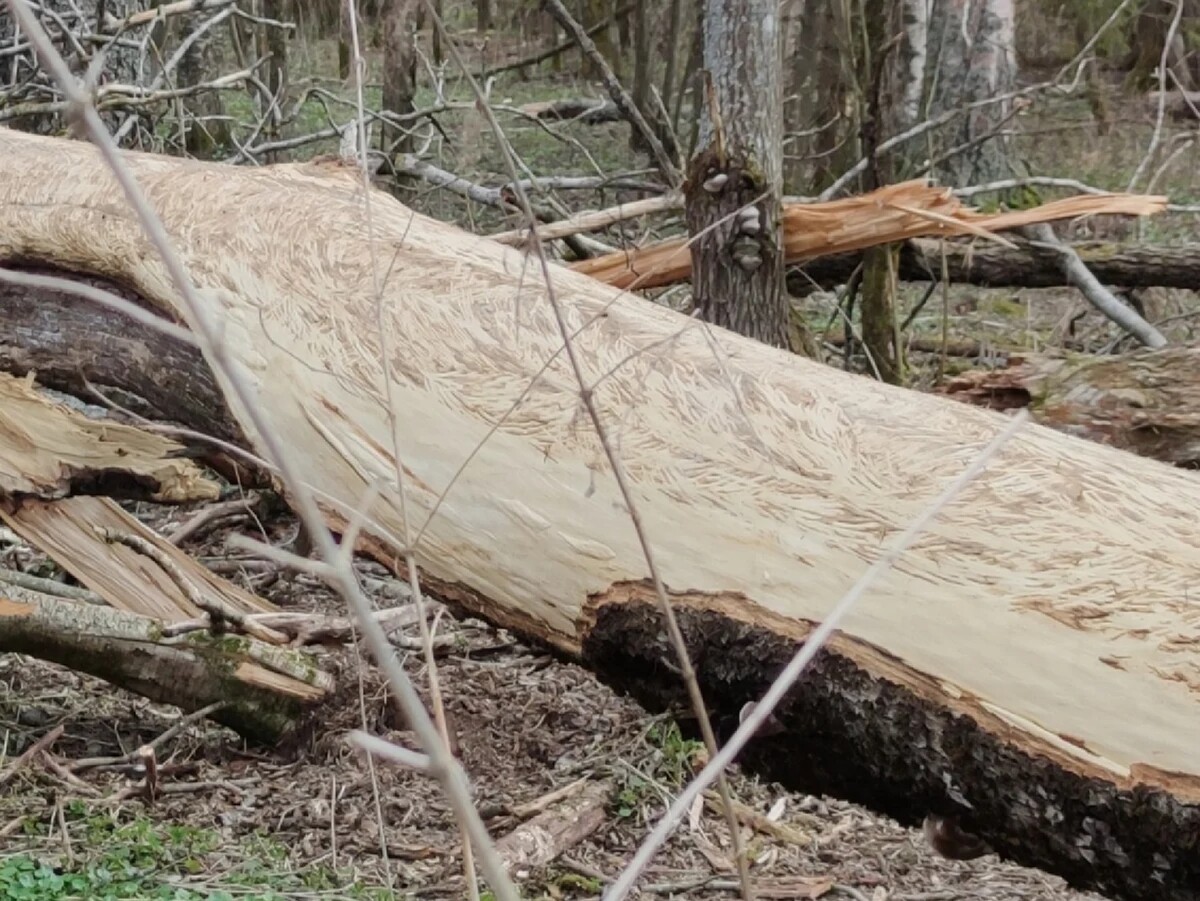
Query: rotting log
pixel 1031 665
pixel 266 689
pixel 1146 402
pixel 1024 266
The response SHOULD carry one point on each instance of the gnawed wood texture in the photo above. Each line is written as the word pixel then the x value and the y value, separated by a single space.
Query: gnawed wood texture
pixel 1031 665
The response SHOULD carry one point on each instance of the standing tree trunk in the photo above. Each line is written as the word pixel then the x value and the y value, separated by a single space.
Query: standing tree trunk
pixel 483 15
pixel 818 80
pixel 643 94
pixel 399 69
pixel 735 179
pixel 345 46
pixel 878 97
pixel 439 14
pixel 272 40
pixel 605 39
pixel 972 58
pixel 672 49
pixel 910 68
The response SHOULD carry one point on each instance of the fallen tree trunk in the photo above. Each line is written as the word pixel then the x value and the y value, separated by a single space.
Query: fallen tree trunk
pixel 1031 665
pixel 1146 402
pixel 1023 266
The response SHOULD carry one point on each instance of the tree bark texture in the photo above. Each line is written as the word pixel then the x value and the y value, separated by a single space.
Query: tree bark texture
pixel 1146 402
pixel 1031 664
pixel 985 264
pixel 877 98
pixel 816 57
pixel 971 58
pixel 399 68
pixel 129 651
pixel 734 183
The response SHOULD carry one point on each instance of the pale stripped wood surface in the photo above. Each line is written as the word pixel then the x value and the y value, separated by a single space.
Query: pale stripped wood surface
pixel 45 447
pixel 66 530
pixel 1059 591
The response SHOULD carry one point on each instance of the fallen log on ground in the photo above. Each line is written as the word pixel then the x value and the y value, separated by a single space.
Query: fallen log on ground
pixel 1022 266
pixel 911 209
pixel 265 689
pixel 1146 402
pixel 51 458
pixel 1031 666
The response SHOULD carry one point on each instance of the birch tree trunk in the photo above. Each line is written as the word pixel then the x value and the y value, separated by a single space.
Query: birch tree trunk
pixel 971 58
pixel 913 50
pixel 735 179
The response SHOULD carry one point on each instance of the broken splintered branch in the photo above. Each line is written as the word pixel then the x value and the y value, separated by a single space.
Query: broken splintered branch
pixel 1096 294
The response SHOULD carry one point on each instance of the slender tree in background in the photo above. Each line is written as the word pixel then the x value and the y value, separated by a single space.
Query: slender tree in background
pixel 202 122
pixel 596 12
pixel 879 103
pixel 399 67
pixel 817 53
pixel 971 57
pixel 272 42
pixel 483 15
pixel 734 180
pixel 644 58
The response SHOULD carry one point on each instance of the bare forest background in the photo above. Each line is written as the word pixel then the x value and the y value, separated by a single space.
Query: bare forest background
pixel 720 125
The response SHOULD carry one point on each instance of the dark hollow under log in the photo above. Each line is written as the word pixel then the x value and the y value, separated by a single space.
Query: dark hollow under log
pixel 850 733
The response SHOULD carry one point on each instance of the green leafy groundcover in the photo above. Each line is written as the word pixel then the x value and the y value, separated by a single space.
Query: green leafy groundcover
pixel 109 860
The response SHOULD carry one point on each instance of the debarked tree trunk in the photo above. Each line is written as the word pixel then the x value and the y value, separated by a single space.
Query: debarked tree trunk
pixel 1031 665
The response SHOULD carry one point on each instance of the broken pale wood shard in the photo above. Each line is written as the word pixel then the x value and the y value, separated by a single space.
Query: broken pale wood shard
pixel 1031 665
pixel 49 450
pixel 67 530
pixel 890 214
pixel 553 832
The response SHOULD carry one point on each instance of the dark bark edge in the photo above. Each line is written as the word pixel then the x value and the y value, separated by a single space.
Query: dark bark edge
pixel 849 733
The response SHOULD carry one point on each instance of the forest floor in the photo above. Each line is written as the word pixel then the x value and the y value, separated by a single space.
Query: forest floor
pixel 236 822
